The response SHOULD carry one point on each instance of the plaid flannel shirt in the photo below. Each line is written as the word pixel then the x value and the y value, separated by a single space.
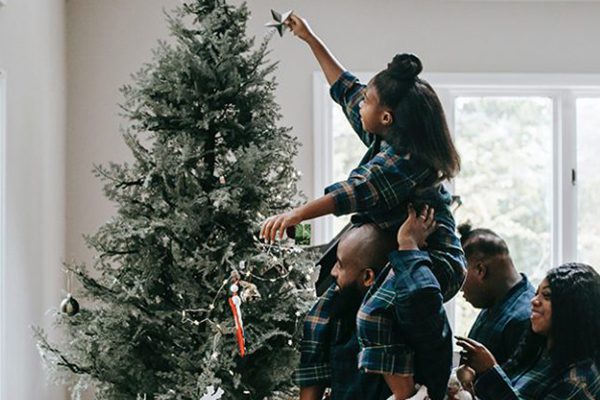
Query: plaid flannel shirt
pixel 402 325
pixel 329 356
pixel 386 180
pixel 501 327
pixel 580 381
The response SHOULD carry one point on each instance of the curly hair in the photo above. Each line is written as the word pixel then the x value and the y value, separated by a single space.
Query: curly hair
pixel 575 328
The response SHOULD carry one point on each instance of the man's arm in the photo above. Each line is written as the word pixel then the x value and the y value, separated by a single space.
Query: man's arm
pixel 419 305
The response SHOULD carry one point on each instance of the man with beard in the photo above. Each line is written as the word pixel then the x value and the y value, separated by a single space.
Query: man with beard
pixel 330 349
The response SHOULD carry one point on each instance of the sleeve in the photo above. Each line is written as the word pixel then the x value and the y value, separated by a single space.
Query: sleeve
pixel 383 183
pixel 348 92
pixel 495 385
pixel 387 359
pixel 420 312
pixel 315 368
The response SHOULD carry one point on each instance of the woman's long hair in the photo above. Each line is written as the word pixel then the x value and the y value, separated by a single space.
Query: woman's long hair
pixel 419 123
pixel 575 330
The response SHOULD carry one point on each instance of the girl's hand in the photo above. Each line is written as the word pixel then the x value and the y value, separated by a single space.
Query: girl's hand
pixel 414 231
pixel 299 27
pixel 279 223
pixel 475 355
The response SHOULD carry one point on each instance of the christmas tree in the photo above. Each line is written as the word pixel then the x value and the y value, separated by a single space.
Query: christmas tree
pixel 209 163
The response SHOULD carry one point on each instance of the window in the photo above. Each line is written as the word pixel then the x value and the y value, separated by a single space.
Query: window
pixel 528 145
pixel 588 180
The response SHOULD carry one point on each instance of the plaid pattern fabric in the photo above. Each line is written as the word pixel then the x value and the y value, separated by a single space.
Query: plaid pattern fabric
pixel 319 332
pixel 580 381
pixel 380 189
pixel 501 327
pixel 402 326
pixel 328 339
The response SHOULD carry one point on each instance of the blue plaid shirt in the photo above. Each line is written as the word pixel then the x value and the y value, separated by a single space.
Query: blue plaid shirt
pixel 329 356
pixel 501 327
pixel 386 180
pixel 402 325
pixel 580 381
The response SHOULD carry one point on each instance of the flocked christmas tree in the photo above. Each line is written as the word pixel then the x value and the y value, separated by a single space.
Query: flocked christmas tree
pixel 209 164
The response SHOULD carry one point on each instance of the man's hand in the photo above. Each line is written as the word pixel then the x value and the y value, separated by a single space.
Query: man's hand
pixel 278 224
pixel 414 231
pixel 475 355
pixel 299 27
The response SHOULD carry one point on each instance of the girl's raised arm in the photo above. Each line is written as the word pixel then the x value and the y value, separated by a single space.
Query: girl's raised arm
pixel 329 64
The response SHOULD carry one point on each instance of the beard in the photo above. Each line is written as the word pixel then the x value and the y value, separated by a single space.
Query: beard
pixel 347 302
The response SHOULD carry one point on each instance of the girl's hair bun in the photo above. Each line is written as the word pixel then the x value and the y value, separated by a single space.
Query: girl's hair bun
pixel 465 229
pixel 405 67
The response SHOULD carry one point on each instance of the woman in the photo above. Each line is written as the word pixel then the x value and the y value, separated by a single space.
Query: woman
pixel 560 356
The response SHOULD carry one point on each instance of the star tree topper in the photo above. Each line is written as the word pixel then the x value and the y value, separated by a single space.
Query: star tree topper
pixel 279 21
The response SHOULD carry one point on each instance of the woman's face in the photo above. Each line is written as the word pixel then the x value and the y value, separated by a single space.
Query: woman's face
pixel 541 309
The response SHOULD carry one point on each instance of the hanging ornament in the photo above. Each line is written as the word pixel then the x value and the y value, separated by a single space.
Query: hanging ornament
pixel 69 305
pixel 465 375
pixel 299 233
pixel 235 303
pixel 249 291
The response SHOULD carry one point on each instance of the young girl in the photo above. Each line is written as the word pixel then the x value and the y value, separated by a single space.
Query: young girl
pixel 401 120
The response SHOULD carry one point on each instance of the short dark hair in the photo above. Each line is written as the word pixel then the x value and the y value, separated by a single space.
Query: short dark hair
pixel 419 123
pixel 481 242
pixel 575 330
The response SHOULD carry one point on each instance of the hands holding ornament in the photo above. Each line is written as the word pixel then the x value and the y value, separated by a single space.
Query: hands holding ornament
pixel 277 224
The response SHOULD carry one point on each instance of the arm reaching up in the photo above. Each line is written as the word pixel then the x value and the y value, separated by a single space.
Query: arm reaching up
pixel 330 66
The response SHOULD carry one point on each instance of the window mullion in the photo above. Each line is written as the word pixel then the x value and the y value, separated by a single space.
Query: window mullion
pixel 322 228
pixel 566 171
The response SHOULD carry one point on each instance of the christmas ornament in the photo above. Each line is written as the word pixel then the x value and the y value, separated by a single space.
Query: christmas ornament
pixel 69 305
pixel 249 291
pixel 235 303
pixel 465 375
pixel 300 233
pixel 279 21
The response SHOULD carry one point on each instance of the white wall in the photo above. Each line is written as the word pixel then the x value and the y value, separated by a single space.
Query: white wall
pixel 32 52
pixel 108 39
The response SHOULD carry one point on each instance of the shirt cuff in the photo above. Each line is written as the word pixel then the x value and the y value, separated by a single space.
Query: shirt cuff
pixel 388 360
pixel 413 271
pixel 343 197
pixel 312 374
pixel 492 383
pixel 339 87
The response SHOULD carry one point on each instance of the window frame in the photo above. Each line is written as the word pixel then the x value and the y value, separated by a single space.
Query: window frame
pixel 2 234
pixel 562 89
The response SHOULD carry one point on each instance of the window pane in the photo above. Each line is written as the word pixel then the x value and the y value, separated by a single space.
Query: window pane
pixel 347 153
pixel 506 179
pixel 588 180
